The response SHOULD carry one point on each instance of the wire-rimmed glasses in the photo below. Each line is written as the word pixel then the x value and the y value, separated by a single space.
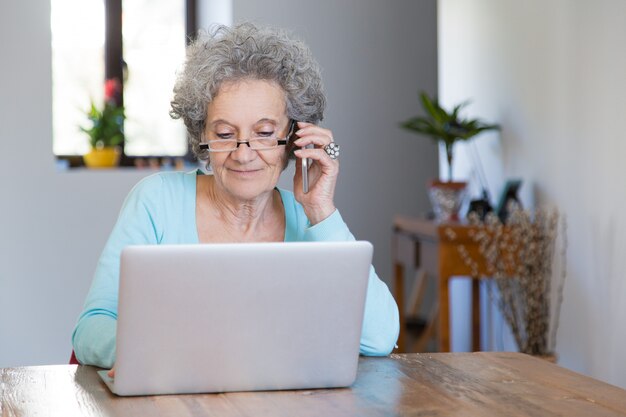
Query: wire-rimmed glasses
pixel 257 143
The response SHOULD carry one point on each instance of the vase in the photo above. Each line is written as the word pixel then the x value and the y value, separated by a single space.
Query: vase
pixel 446 199
pixel 107 157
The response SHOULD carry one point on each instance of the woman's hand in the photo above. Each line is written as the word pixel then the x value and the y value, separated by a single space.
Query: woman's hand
pixel 318 203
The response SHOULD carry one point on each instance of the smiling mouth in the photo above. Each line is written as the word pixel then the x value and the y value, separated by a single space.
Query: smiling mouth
pixel 245 172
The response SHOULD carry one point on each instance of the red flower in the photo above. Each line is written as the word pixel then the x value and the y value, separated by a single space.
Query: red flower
pixel 112 88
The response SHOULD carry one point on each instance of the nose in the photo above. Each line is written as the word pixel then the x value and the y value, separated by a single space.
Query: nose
pixel 243 154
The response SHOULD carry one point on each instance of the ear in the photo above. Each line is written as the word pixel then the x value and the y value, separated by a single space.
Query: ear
pixel 291 137
pixel 287 156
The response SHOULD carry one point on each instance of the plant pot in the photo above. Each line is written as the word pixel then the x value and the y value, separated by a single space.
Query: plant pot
pixel 107 157
pixel 446 199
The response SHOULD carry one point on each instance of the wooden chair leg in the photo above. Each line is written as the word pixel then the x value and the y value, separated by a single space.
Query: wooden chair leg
pixel 428 322
pixel 429 332
pixel 475 314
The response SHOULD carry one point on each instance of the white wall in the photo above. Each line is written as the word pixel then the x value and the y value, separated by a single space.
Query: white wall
pixel 553 74
pixel 53 225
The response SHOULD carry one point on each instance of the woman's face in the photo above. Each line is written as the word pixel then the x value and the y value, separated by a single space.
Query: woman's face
pixel 242 110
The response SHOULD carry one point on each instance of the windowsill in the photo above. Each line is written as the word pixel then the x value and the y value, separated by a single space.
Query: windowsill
pixel 63 167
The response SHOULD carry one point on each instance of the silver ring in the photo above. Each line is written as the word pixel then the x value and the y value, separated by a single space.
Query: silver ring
pixel 332 149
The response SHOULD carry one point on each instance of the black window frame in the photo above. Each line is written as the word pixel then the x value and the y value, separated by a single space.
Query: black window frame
pixel 114 68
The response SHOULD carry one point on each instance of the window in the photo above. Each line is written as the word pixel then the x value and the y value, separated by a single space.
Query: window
pixel 139 42
pixel 77 69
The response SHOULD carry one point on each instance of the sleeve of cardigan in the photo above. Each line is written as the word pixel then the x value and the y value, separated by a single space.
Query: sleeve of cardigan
pixel 94 335
pixel 381 323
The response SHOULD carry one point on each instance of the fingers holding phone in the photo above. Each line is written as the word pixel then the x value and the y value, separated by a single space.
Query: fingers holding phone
pixel 316 172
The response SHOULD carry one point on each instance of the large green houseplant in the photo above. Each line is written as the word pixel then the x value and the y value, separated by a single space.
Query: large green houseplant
pixel 447 127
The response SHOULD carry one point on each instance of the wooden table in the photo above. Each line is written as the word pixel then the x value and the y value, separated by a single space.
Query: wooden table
pixel 438 252
pixel 439 384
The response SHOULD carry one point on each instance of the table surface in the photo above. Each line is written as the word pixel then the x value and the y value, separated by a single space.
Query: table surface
pixel 436 384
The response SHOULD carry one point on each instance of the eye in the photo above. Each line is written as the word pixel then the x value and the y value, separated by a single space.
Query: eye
pixel 265 134
pixel 224 135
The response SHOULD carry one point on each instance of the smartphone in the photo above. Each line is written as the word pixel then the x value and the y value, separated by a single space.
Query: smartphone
pixel 306 163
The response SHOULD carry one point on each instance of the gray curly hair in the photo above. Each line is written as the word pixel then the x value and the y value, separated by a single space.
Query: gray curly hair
pixel 242 52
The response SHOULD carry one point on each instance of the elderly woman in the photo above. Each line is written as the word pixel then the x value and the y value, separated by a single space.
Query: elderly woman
pixel 251 99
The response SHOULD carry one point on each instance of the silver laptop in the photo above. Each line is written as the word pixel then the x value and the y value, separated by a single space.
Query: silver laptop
pixel 239 317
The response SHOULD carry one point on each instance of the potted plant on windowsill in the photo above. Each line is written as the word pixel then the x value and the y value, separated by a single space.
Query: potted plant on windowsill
pixel 106 132
pixel 446 127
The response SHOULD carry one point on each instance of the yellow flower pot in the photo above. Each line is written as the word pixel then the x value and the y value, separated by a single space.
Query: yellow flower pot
pixel 107 157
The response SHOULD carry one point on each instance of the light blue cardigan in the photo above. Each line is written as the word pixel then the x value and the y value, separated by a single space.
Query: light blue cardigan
pixel 161 209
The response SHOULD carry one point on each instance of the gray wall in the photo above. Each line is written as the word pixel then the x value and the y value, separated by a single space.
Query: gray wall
pixel 553 74
pixel 375 56
pixel 53 225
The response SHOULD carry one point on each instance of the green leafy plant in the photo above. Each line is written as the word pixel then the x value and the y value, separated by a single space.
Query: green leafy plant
pixel 446 127
pixel 107 124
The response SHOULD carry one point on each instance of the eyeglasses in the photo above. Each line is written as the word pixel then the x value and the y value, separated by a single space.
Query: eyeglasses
pixel 258 143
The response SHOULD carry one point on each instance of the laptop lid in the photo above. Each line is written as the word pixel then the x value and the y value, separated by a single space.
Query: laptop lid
pixel 240 317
